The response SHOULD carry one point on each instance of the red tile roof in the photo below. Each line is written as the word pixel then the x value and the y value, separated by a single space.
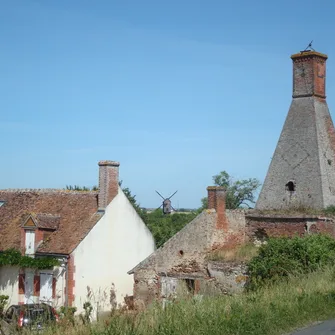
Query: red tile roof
pixel 73 213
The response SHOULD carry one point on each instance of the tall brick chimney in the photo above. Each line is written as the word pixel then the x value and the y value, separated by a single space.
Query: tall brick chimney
pixel 309 74
pixel 217 201
pixel 108 183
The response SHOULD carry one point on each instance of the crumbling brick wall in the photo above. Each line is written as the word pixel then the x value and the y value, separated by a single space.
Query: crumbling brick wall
pixel 262 226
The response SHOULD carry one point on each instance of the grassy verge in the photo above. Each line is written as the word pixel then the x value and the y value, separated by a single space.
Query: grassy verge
pixel 272 310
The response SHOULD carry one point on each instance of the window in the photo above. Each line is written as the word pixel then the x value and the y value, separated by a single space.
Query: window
pixel 2 203
pixel 290 186
pixel 30 242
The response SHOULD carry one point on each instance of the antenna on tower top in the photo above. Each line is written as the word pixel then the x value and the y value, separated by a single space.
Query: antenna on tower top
pixel 309 47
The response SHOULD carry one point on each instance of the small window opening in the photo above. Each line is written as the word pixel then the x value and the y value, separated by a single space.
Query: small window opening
pixel 329 162
pixel 181 252
pixel 290 186
pixel 2 203
pixel 190 284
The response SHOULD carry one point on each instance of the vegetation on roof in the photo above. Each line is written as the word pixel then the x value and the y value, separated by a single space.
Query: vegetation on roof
pixel 298 211
pixel 240 253
pixel 81 188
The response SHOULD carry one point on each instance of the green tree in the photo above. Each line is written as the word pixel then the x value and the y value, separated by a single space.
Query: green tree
pixel 239 193
pixel 163 226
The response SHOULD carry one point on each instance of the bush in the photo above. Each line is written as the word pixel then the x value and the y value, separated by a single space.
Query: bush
pixel 3 302
pixel 282 257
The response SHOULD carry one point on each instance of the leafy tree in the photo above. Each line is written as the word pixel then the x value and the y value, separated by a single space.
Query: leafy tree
pixel 163 226
pixel 239 193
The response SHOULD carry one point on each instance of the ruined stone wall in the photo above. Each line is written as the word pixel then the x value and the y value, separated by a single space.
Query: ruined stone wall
pixel 185 251
pixel 231 277
pixel 260 227
pixel 234 235
pixel 146 287
pixel 184 256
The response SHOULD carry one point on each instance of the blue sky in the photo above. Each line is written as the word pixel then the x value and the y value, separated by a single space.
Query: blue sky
pixel 175 90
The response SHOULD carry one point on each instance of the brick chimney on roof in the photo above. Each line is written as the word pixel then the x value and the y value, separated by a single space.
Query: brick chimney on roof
pixel 217 201
pixel 108 183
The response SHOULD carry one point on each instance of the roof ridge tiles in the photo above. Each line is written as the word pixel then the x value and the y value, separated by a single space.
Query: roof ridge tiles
pixel 47 190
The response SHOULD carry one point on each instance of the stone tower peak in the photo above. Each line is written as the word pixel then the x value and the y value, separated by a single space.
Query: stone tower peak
pixel 302 170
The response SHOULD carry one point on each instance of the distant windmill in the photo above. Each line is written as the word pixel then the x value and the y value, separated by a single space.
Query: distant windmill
pixel 167 207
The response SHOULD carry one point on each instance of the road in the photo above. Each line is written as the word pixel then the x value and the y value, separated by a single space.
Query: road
pixel 324 328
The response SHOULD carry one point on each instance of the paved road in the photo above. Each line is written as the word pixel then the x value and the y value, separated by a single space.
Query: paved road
pixel 324 328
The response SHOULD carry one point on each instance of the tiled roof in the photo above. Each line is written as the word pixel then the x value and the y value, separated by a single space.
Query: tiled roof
pixel 47 221
pixel 73 214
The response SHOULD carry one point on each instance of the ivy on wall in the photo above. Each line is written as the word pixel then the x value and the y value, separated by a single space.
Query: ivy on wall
pixel 14 257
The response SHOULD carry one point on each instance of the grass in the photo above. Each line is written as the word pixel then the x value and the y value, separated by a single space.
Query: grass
pixel 273 310
pixel 241 253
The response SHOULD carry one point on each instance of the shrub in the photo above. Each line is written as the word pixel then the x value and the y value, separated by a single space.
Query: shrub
pixel 282 257
pixel 3 302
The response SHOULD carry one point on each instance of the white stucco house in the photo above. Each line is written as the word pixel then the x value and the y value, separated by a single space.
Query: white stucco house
pixel 96 235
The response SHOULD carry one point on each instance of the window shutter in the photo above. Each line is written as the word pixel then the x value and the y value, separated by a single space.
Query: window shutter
pixel 37 285
pixel 53 288
pixel 21 283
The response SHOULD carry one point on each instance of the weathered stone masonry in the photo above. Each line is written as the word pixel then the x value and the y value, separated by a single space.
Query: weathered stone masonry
pixel 302 170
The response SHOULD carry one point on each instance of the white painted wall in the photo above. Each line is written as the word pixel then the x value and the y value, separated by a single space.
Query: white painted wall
pixel 9 283
pixel 60 275
pixel 118 242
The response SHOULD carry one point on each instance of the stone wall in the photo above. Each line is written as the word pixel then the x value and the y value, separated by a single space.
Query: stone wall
pixel 182 261
pixel 262 226
pixel 230 276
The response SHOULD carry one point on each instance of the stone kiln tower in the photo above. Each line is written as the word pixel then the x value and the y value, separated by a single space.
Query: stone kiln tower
pixel 302 170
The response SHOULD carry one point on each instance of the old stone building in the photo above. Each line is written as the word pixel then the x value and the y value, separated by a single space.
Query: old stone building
pixel 301 175
pixel 302 170
pixel 182 263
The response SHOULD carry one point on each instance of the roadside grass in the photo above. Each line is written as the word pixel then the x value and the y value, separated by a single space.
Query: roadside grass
pixel 272 310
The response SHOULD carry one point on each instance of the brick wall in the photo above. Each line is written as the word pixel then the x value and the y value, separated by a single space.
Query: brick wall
pixel 309 74
pixel 259 227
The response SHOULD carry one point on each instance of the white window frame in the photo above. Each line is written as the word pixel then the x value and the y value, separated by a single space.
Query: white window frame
pixel 30 241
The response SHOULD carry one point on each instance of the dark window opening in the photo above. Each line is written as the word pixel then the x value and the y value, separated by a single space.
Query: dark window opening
pixel 190 284
pixel 261 235
pixel 290 186
pixel 181 252
pixel 329 162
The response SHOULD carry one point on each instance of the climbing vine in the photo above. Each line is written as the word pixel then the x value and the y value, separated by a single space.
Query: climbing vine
pixel 14 257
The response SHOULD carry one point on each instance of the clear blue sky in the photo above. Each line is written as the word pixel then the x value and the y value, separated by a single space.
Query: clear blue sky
pixel 175 90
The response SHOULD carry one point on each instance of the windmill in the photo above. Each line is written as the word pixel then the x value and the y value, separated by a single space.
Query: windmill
pixel 166 203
